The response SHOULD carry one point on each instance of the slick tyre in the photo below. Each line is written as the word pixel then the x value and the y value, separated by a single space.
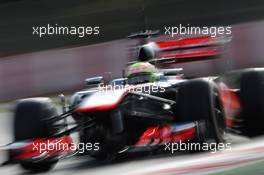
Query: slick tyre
pixel 198 100
pixel 29 124
pixel 252 101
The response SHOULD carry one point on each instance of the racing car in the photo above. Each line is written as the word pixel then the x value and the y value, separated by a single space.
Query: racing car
pixel 136 114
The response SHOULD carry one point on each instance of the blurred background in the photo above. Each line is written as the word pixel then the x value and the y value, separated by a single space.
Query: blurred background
pixel 32 66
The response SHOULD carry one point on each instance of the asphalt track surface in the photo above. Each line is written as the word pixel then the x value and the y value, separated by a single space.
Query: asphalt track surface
pixel 244 152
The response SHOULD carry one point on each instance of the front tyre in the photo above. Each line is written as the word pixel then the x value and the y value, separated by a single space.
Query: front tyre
pixel 198 100
pixel 29 124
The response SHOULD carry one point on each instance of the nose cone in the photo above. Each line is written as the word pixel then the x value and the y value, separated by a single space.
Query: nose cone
pixel 106 99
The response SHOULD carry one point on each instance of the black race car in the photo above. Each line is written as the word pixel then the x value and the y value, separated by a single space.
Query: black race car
pixel 136 115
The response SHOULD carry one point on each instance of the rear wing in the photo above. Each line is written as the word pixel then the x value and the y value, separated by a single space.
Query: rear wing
pixel 189 49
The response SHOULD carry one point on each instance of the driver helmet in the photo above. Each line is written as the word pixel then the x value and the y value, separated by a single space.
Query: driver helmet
pixel 142 72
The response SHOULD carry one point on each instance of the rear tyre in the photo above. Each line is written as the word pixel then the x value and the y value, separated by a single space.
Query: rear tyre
pixel 198 100
pixel 29 124
pixel 252 101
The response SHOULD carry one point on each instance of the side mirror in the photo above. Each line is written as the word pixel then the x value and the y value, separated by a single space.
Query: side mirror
pixel 94 81
pixel 119 81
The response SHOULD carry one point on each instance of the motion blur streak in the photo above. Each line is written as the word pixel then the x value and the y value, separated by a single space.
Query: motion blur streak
pixel 44 72
pixel 208 163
